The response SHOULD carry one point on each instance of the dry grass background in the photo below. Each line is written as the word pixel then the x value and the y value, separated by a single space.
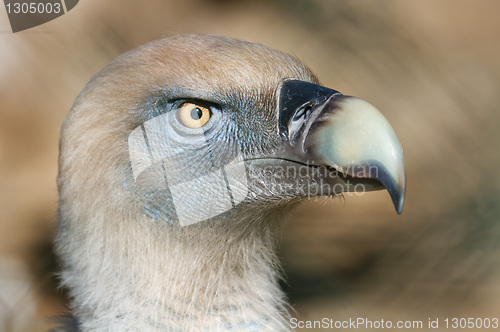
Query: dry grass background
pixel 432 67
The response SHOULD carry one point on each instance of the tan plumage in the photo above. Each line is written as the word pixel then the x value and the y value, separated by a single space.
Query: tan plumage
pixel 118 263
pixel 128 273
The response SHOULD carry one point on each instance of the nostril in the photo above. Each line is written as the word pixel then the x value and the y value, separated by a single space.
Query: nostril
pixel 302 113
pixel 307 111
pixel 298 120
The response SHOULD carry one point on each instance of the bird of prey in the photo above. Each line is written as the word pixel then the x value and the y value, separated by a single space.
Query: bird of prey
pixel 179 161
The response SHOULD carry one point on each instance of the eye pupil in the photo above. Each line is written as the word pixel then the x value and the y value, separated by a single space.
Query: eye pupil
pixel 193 115
pixel 196 113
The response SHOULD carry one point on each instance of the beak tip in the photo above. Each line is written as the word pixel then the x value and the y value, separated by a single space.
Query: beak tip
pixel 399 205
pixel 398 198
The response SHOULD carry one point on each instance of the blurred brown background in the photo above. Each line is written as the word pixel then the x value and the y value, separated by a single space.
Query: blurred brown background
pixel 432 67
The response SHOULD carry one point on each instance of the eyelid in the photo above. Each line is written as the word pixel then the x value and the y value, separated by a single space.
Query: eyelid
pixel 176 103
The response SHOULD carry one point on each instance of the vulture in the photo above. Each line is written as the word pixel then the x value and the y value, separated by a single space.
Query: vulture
pixel 179 162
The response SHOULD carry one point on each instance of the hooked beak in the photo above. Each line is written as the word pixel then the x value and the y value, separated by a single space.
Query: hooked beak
pixel 322 127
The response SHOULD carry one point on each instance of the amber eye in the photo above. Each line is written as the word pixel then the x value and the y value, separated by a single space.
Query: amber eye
pixel 193 115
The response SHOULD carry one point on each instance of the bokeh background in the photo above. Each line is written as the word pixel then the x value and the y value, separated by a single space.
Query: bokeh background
pixel 432 67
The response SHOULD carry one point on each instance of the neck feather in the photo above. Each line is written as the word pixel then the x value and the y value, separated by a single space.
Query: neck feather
pixel 134 275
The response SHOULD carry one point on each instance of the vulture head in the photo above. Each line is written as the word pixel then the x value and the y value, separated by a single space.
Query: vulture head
pixel 178 162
